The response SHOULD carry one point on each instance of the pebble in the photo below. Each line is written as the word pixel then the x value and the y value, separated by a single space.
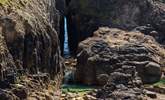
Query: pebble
pixel 79 98
pixel 63 95
pixel 74 96
pixel 89 97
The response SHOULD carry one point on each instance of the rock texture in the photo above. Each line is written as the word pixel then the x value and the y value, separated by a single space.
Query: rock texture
pixel 87 15
pixel 29 44
pixel 114 50
pixel 60 5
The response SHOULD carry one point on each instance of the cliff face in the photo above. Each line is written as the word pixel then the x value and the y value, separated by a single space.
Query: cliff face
pixel 87 15
pixel 6 59
pixel 29 38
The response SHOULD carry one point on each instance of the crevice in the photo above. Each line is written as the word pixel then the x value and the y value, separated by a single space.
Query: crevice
pixel 72 34
pixel 68 34
pixel 66 49
pixel 64 43
pixel 61 35
pixel 67 2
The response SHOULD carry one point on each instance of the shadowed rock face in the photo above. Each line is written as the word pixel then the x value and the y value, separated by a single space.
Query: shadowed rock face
pixel 29 40
pixel 6 59
pixel 114 50
pixel 60 5
pixel 87 15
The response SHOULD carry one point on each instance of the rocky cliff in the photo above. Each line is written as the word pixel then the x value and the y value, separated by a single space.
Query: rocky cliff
pixel 87 15
pixel 29 45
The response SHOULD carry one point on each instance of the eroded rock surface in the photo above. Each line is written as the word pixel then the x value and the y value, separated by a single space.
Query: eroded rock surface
pixel 30 47
pixel 87 15
pixel 120 60
pixel 114 50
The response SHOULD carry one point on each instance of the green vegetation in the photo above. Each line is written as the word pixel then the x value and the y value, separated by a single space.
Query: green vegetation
pixel 3 1
pixel 18 4
pixel 161 83
pixel 81 89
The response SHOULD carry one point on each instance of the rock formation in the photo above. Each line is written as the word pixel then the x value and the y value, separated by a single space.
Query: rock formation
pixel 112 50
pixel 121 61
pixel 60 5
pixel 87 15
pixel 29 45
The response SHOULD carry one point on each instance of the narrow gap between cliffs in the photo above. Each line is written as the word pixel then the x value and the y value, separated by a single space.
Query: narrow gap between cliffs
pixel 68 33
pixel 66 50
pixel 69 81
pixel 69 45
pixel 69 71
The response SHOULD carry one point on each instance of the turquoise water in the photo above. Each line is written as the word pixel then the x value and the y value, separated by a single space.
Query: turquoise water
pixel 66 45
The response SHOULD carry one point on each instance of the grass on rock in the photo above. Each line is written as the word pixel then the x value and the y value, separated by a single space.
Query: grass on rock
pixel 3 1
pixel 161 83
pixel 81 89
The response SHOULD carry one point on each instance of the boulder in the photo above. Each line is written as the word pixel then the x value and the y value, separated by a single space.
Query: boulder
pixel 151 94
pixel 153 68
pixel 112 52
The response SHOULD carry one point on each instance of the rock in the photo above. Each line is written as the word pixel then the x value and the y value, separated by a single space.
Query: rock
pixel 156 89
pixel 145 29
pixel 153 72
pixel 120 54
pixel 87 16
pixel 63 95
pixel 102 79
pixel 119 78
pixel 79 98
pixel 92 93
pixel 29 45
pixel 120 92
pixel 125 95
pixel 128 59
pixel 89 97
pixel 26 42
pixel 151 94
pixel 153 68
pixel 121 86
pixel 41 77
pixel 21 93
pixel 6 95
pixel 71 96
